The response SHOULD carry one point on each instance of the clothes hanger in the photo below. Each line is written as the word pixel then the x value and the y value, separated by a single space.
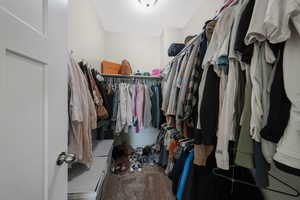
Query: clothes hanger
pixel 186 143
pixel 235 2
pixel 82 61
pixel 188 147
pixel 233 180
pixel 183 140
pixel 100 78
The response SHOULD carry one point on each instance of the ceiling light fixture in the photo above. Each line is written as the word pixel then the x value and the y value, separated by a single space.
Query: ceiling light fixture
pixel 147 3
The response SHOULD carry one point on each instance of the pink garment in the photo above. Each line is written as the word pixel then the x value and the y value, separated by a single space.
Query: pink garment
pixel 133 103
pixel 227 4
pixel 139 103
pixel 156 72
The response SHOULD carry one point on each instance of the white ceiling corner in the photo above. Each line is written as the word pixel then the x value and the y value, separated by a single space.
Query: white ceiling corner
pixel 129 17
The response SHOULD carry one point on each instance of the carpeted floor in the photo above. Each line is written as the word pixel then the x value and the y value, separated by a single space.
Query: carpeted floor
pixel 150 184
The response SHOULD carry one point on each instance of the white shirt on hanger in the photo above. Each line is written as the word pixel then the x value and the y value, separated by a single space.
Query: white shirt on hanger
pixel 261 71
pixel 282 23
pixel 219 41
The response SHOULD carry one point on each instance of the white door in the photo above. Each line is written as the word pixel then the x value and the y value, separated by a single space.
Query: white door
pixel 33 99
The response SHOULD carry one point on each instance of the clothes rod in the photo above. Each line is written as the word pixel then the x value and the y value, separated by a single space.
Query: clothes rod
pixel 130 76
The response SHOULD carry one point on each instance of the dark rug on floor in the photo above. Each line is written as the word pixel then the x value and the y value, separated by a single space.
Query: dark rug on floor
pixel 150 184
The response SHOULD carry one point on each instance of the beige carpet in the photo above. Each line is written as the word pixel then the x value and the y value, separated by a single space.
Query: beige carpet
pixel 150 184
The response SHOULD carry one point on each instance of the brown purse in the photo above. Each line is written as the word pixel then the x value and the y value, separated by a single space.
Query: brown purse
pixel 125 68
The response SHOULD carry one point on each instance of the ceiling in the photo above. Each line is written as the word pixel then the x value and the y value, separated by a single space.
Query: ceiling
pixel 130 17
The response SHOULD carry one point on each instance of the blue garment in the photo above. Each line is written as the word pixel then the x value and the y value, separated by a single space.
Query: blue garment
pixel 175 48
pixel 164 157
pixel 177 170
pixel 116 102
pixel 155 107
pixel 184 176
pixel 223 62
pixel 156 101
pixel 158 106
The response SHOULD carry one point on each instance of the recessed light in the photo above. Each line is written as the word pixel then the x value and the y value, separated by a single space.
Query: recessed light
pixel 147 3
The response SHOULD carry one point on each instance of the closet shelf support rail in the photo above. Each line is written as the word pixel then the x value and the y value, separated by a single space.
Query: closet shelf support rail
pixel 130 76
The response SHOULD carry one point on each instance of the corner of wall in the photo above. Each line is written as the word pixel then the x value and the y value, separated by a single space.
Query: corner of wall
pixel 169 35
pixel 86 32
pixel 206 11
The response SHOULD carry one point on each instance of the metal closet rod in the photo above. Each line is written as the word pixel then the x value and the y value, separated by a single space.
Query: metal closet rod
pixel 130 76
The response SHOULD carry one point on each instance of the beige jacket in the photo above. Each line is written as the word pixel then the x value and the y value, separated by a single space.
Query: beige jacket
pixel 82 114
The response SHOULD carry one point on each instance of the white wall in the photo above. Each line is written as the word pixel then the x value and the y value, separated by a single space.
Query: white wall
pixel 144 138
pixel 142 51
pixel 86 35
pixel 207 10
pixel 162 50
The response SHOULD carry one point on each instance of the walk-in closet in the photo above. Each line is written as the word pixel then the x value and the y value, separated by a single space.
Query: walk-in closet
pixel 149 99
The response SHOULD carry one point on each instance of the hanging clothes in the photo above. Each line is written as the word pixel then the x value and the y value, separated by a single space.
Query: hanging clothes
pixel 177 171
pixel 168 86
pixel 156 102
pixel 147 108
pixel 231 106
pixel 95 93
pixel 240 88
pixel 140 100
pixel 116 102
pixel 185 174
pixel 82 112
pixel 245 52
pixel 106 93
pixel 124 115
pixel 245 152
pixel 261 77
pixel 98 99
pixel 218 42
pixel 134 105
pixel 279 104
pixel 172 105
pixel 279 29
pixel 190 114
pixel 185 83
